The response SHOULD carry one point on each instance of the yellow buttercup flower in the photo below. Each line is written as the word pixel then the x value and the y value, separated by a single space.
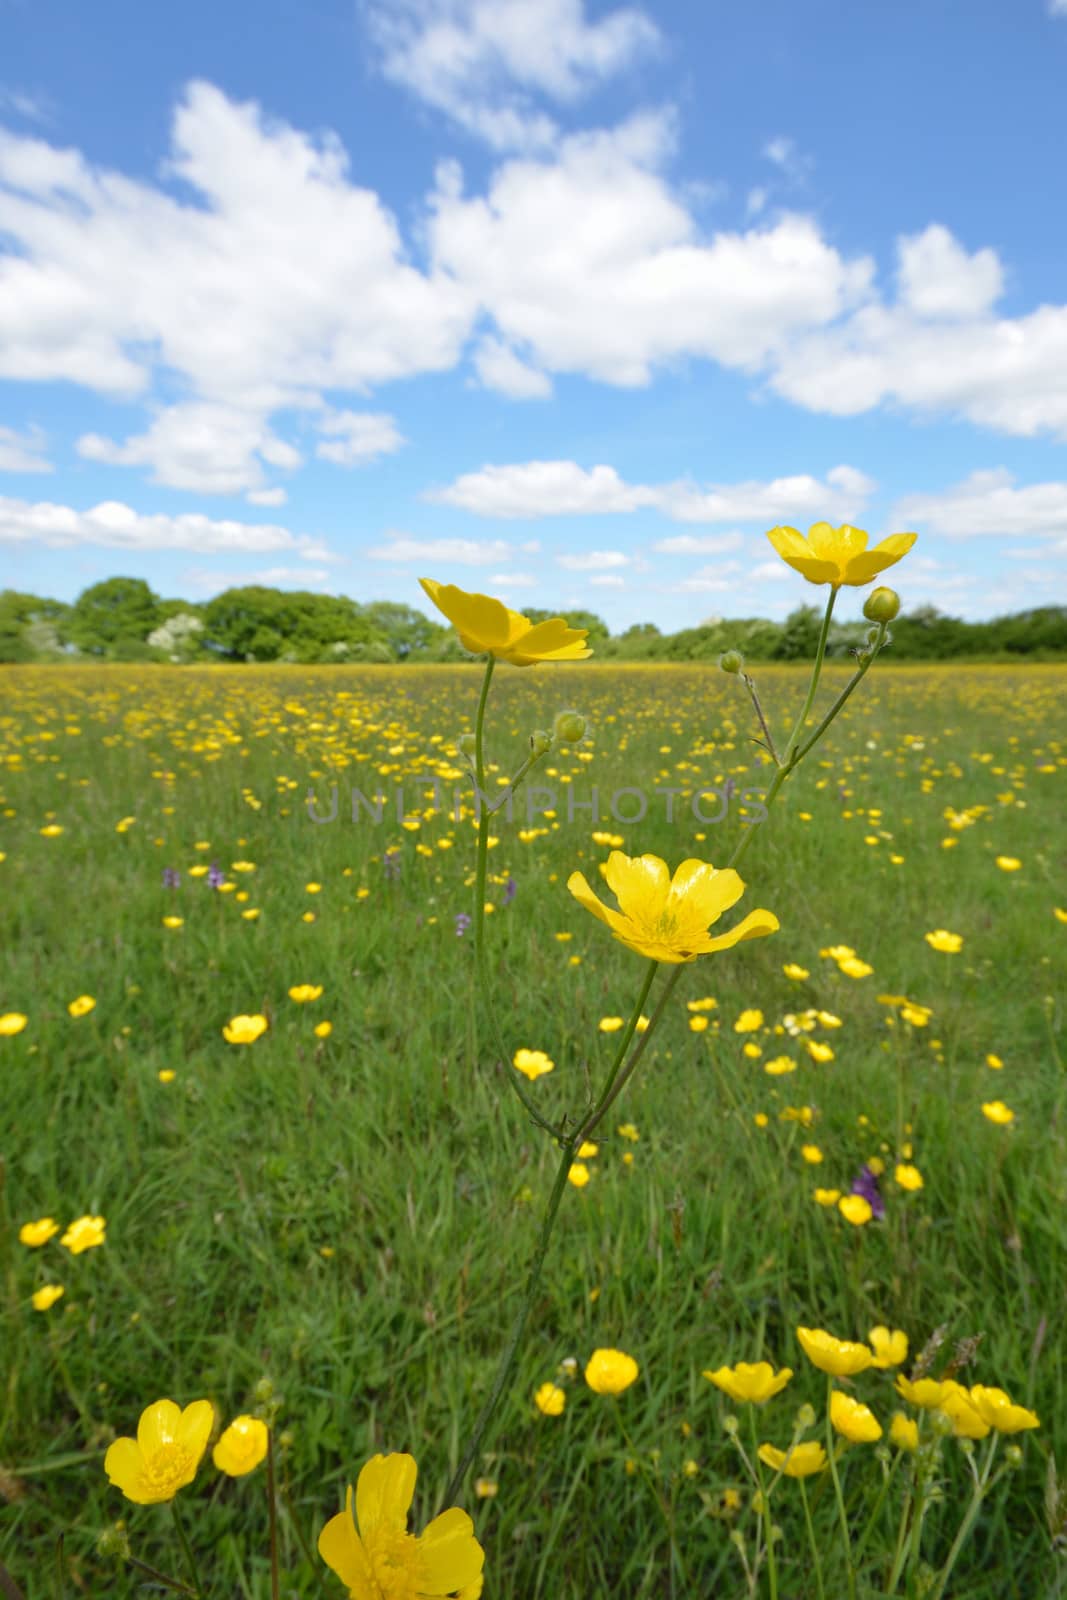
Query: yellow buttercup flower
pixel 839 1357
pixel 963 1414
pixel 908 1176
pixel 800 1462
pixel 578 1174
pixel 85 1233
pixel 996 1408
pixel 368 1541
pixel 12 1022
pixel 838 555
pixel 532 1064
pixel 550 1399
pixel 610 1371
pixel 904 1432
pixel 45 1298
pixel 244 1030
pixel 35 1234
pixel 853 1421
pixel 241 1447
pixel 926 1393
pixel 996 1111
pixel 303 992
pixel 756 1382
pixel 950 943
pixel 890 1346
pixel 487 627
pixel 165 1454
pixel 855 1208
pixel 667 918
pixel 82 1006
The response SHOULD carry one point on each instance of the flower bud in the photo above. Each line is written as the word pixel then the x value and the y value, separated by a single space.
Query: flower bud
pixel 114 1542
pixel 881 605
pixel 1013 1455
pixel 730 1425
pixel 540 743
pixel 805 1419
pixel 569 726
pixel 466 744
pixel 731 661
pixel 263 1391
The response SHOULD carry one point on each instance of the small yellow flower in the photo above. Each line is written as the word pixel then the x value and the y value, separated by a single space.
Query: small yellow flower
pixel 369 1540
pixel 166 1074
pixel 164 1456
pixel 626 1130
pixel 173 922
pixel 587 1150
pixel 241 1447
pixel 779 1066
pixel 303 992
pixel 665 918
pixel 323 1030
pixel 890 1346
pixel 82 1006
pixel 853 967
pixel 926 1393
pixel 949 943
pixel 904 1432
pixel 797 973
pixel 996 1111
pixel 313 888
pixel 916 1014
pixel 755 1382
pixel 244 1030
pixel 486 1488
pixel 855 1209
pixel 749 1021
pixel 996 1408
pixel 487 627
pixel 51 831
pixel 610 1371
pixel 35 1234
pixel 1008 863
pixel 812 1154
pixel 908 1177
pixel 817 1050
pixel 994 1062
pixel 761 1119
pixel 12 1022
pixel 85 1233
pixel 838 555
pixel 853 1421
pixel 827 1197
pixel 960 1409
pixel 698 1024
pixel 838 1357
pixel 45 1298
pixel 800 1462
pixel 609 1024
pixel 578 1174
pixel 550 1399
pixel 532 1064
pixel 251 914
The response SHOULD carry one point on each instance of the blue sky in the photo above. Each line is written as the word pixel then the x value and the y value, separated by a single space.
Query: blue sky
pixel 560 300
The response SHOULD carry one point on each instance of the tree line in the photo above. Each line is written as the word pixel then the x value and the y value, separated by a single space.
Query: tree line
pixel 121 619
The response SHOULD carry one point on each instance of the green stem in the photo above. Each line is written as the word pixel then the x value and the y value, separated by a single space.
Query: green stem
pixel 507 1360
pixel 618 1083
pixel 968 1522
pixel 852 684
pixel 160 1577
pixel 187 1552
pixel 765 1506
pixel 887 1479
pixel 272 1516
pixel 839 1497
pixel 816 1560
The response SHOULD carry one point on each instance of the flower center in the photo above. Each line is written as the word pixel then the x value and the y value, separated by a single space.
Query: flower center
pixel 394 1562
pixel 167 1469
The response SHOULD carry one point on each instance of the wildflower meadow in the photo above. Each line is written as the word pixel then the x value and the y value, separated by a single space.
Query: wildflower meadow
pixel 536 1128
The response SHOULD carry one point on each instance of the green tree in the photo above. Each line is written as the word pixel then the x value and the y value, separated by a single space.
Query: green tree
pixel 112 618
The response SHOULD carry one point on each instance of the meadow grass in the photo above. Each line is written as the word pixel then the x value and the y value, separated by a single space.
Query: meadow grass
pixel 351 1217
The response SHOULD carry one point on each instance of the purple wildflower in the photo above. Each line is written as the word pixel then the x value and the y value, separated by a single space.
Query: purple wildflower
pixel 171 878
pixel 511 889
pixel 463 922
pixel 215 877
pixel 866 1184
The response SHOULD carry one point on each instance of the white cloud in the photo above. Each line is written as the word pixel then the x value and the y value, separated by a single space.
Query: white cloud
pixel 608 580
pixel 770 571
pixel 512 580
pixel 704 544
pixel 500 368
pixel 462 552
pixel 23 452
pixel 589 263
pixel 34 107
pixel 202 446
pixel 111 276
pixel 594 561
pixel 267 497
pixel 706 580
pixel 357 437
pixel 563 488
pixel 937 278
pixel 480 61
pixel 119 527
pixel 207 582
pixel 755 201
pixel 787 158
pixel 1057 8
pixel 987 503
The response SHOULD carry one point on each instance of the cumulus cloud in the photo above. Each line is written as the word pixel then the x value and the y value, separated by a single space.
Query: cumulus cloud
pixel 119 527
pixel 444 552
pixel 210 448
pixel 482 61
pixel 357 437
pixel 563 488
pixel 594 560
pixel 704 544
pixel 203 580
pixel 988 504
pixel 23 452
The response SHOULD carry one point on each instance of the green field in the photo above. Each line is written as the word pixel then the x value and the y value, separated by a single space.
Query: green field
pixel 351 1217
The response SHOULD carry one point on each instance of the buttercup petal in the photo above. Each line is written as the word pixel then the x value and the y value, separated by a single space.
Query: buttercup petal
pixel 757 925
pixel 639 883
pixel 159 1425
pixel 340 1547
pixel 449 1555
pixel 384 1492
